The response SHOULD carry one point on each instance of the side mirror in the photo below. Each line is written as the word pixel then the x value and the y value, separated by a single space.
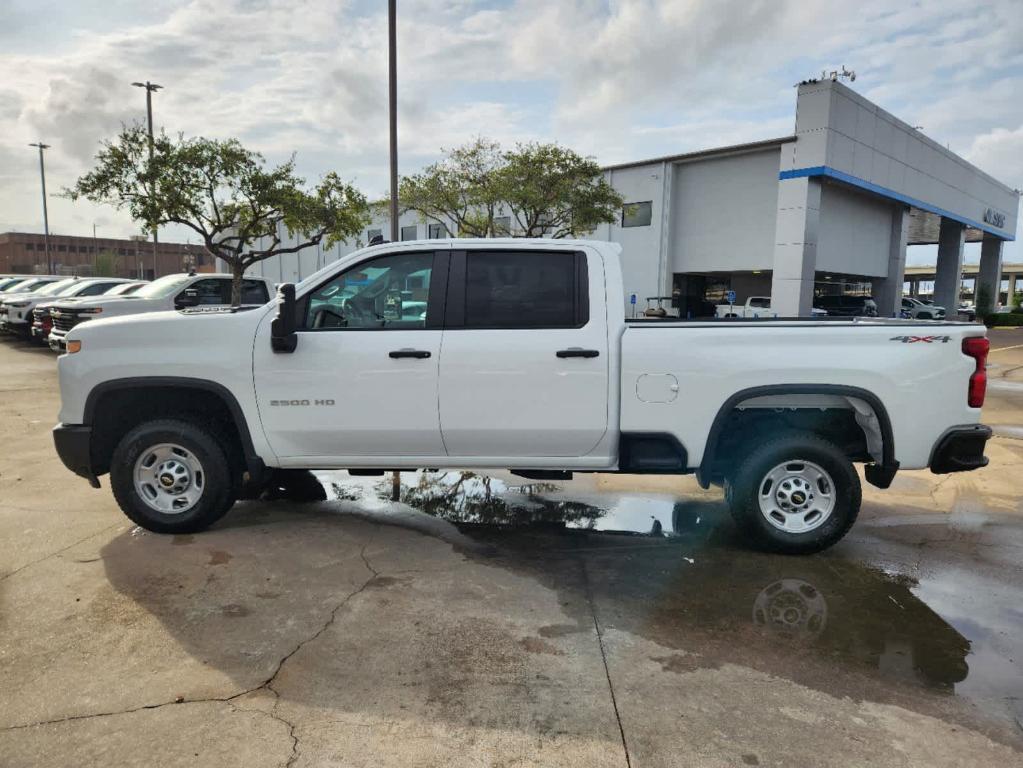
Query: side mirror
pixel 190 298
pixel 282 330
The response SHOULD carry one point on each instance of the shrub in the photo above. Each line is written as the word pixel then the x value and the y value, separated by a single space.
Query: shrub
pixel 1012 318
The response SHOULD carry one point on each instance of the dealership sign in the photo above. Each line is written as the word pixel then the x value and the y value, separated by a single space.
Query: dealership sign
pixel 993 217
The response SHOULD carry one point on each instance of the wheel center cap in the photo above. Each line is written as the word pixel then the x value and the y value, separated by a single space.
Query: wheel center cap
pixel 166 480
pixel 798 497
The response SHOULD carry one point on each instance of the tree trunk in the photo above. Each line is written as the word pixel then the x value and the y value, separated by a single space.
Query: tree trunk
pixel 237 272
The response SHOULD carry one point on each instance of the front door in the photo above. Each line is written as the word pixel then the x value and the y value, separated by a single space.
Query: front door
pixel 524 365
pixel 362 381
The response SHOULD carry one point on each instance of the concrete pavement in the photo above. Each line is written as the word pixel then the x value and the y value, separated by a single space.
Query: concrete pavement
pixel 360 632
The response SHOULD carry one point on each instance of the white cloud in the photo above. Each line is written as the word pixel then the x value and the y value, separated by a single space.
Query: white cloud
pixel 619 80
pixel 1000 153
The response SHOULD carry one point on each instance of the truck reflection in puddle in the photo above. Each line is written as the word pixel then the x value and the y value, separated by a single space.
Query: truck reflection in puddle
pixel 671 571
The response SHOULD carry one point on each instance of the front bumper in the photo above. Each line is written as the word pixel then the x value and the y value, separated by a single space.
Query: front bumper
pixel 57 340
pixel 960 449
pixel 74 443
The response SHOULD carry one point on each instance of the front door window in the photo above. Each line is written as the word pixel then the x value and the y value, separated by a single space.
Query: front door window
pixel 388 293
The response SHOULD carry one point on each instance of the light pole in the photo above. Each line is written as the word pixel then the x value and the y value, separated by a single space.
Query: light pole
pixel 150 87
pixel 46 216
pixel 392 104
pixel 392 100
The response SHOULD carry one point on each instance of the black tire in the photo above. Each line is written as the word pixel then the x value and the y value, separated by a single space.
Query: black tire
pixel 299 485
pixel 218 492
pixel 742 491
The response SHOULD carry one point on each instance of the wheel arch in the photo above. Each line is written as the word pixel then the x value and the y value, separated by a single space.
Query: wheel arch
pixel 98 399
pixel 878 474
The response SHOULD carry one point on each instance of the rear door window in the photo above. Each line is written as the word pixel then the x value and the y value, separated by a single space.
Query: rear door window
pixel 523 289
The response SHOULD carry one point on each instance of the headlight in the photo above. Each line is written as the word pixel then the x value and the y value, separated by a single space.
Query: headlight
pixel 74 346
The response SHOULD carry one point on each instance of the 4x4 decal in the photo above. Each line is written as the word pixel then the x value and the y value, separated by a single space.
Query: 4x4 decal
pixel 924 339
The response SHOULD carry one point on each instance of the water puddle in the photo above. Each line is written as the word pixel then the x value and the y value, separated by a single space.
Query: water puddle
pixel 670 569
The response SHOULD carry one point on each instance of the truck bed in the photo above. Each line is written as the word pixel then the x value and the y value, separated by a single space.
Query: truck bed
pixel 679 384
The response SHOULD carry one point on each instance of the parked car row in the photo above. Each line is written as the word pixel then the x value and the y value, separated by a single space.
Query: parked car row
pixel 844 306
pixel 837 306
pixel 43 308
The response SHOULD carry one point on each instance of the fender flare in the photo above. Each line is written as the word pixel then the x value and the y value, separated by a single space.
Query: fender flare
pixel 253 462
pixel 877 474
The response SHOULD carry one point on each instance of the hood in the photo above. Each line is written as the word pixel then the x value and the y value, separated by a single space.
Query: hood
pixel 83 301
pixel 169 329
pixel 116 305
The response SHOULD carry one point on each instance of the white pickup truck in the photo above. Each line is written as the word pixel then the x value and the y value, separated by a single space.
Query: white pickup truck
pixel 754 306
pixel 513 354
pixel 177 291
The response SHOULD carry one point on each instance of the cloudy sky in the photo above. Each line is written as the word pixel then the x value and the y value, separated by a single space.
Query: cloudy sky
pixel 616 79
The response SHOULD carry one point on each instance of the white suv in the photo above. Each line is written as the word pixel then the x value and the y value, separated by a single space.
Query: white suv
pixel 920 310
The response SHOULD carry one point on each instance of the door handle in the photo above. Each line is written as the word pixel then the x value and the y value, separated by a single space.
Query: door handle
pixel 419 354
pixel 577 352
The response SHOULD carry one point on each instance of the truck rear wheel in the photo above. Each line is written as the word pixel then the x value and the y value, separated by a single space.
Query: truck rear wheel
pixel 171 476
pixel 796 494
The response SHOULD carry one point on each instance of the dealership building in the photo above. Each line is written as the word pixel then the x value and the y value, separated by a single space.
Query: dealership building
pixel 831 208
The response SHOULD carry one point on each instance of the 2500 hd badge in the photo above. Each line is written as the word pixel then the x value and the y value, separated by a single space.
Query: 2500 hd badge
pixel 301 402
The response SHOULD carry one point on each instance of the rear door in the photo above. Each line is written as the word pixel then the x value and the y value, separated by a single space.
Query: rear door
pixel 524 360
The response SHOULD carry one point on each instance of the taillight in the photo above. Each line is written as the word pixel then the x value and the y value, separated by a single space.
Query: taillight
pixel 977 347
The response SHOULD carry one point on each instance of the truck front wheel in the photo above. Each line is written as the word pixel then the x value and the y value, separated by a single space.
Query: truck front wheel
pixel 796 494
pixel 171 476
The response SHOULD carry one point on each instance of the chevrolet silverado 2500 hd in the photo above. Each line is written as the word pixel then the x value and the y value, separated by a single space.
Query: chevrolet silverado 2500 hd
pixel 513 354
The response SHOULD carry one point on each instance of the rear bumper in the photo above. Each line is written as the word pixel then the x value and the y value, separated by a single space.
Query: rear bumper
pixel 74 443
pixel 960 449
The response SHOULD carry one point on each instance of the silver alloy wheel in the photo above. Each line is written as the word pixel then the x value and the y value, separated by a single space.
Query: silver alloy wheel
pixel 797 496
pixel 169 478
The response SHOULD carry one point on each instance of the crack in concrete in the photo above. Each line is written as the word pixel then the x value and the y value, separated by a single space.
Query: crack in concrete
pixel 59 552
pixel 937 487
pixel 267 684
pixel 603 657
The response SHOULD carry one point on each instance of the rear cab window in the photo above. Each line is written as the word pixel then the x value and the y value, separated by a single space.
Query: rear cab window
pixel 518 289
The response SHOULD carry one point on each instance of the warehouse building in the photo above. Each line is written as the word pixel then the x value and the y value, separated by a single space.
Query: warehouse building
pixel 32 253
pixel 831 208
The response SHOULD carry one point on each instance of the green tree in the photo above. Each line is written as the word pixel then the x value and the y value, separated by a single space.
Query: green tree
pixel 547 189
pixel 554 191
pixel 463 189
pixel 225 193
pixel 106 264
pixel 984 304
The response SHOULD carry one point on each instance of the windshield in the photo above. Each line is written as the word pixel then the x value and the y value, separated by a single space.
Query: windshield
pixel 60 288
pixel 29 286
pixel 124 289
pixel 10 282
pixel 165 286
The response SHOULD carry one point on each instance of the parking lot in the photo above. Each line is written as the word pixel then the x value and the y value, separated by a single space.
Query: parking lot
pixel 487 621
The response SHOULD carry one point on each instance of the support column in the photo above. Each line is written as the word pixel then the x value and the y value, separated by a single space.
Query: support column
pixel 949 272
pixel 989 278
pixel 795 246
pixel 888 290
pixel 1011 290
